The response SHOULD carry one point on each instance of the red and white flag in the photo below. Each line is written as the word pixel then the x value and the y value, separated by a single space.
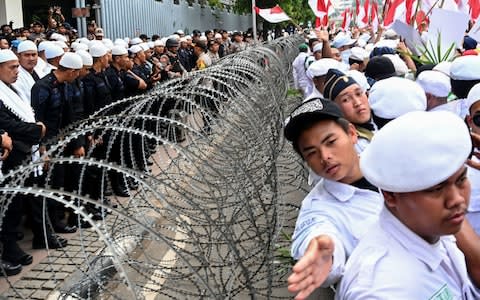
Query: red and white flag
pixel 362 16
pixel 374 16
pixel 395 10
pixel 272 15
pixel 474 9
pixel 347 18
pixel 319 7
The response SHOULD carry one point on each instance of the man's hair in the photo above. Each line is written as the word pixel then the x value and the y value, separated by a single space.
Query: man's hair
pixel 309 123
pixel 461 87
pixel 62 68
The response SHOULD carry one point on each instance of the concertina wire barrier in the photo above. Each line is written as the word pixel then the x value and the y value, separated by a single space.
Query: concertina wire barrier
pixel 207 217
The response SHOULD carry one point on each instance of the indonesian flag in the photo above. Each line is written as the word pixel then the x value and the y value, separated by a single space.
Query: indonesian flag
pixel 374 16
pixel 362 17
pixel 272 15
pixel 322 21
pixel 396 10
pixel 474 9
pixel 319 7
pixel 347 18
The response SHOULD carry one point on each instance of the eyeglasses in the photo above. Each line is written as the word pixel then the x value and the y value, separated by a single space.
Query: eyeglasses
pixel 476 119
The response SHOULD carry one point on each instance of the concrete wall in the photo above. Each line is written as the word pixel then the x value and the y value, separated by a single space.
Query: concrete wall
pixel 11 10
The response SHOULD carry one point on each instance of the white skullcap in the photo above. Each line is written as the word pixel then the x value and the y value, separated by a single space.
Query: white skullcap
pixel 320 67
pixel 358 54
pixel 435 83
pixel 135 49
pixel 400 66
pixel 180 31
pixel 87 59
pixel 188 37
pixel 136 41
pixel 43 45
pixel 443 67
pixel 71 61
pixel 361 43
pixel 81 46
pixel 364 37
pixel 119 50
pixel 174 36
pixel 144 46
pixel 390 34
pixel 416 151
pixel 202 38
pixel 393 97
pixel 465 68
pixel 387 43
pixel 151 44
pixel 120 42
pixel 26 45
pixel 160 42
pixel 58 37
pixel 7 55
pixel 218 36
pixel 473 96
pixel 61 44
pixel 53 51
pixel 74 45
pixel 360 78
pixel 107 43
pixel 183 40
pixel 127 40
pixel 98 50
pixel 318 47
pixel 84 40
pixel 343 40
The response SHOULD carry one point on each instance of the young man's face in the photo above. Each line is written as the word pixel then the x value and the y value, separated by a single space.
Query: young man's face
pixel 474 113
pixel 354 104
pixel 439 210
pixel 329 151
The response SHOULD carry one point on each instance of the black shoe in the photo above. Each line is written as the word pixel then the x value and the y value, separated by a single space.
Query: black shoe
pixel 53 242
pixel 14 254
pixel 9 269
pixel 133 184
pixel 62 228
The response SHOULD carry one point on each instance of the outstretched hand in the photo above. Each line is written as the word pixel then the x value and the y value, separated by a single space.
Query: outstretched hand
pixel 313 268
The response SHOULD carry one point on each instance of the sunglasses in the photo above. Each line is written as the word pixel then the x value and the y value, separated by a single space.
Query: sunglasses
pixel 476 119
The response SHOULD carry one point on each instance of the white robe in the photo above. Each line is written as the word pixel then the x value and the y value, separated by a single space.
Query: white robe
pixel 24 84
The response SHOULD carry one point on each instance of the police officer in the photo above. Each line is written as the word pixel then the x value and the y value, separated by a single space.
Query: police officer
pixel 52 101
pixel 172 46
pixel 426 199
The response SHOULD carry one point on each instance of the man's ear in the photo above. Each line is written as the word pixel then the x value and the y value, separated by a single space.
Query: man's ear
pixel 352 132
pixel 390 199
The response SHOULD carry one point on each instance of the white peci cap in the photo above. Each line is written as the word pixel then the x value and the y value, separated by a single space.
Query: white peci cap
pixel 71 61
pixel 26 46
pixel 473 96
pixel 435 83
pixel 416 151
pixel 135 49
pixel 87 59
pixel 53 51
pixel 7 55
pixel 98 50
pixel 119 50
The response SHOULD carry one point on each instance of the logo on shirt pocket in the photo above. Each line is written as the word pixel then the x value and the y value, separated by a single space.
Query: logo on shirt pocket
pixel 443 293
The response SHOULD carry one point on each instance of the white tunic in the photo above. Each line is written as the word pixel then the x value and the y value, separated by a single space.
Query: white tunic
pixel 473 214
pixel 300 78
pixel 24 84
pixel 392 262
pixel 340 211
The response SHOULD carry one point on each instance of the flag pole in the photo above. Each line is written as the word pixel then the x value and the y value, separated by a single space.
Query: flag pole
pixel 254 21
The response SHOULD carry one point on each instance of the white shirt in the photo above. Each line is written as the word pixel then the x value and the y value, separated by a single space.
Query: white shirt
pixel 458 107
pixel 392 262
pixel 24 84
pixel 300 78
pixel 473 214
pixel 340 211
pixel 314 94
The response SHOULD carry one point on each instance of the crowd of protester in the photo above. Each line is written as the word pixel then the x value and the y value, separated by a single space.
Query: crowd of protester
pixel 391 141
pixel 49 79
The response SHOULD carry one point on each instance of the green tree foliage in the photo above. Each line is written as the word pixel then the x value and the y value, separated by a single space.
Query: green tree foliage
pixel 298 10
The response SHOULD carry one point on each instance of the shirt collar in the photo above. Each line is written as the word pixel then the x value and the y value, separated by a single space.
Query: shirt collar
pixel 340 191
pixel 430 254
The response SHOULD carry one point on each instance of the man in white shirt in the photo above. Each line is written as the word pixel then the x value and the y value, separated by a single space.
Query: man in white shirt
pixel 300 79
pixel 339 209
pixel 411 252
pixel 27 75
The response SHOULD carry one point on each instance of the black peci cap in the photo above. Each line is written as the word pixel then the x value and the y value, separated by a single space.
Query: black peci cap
pixel 335 82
